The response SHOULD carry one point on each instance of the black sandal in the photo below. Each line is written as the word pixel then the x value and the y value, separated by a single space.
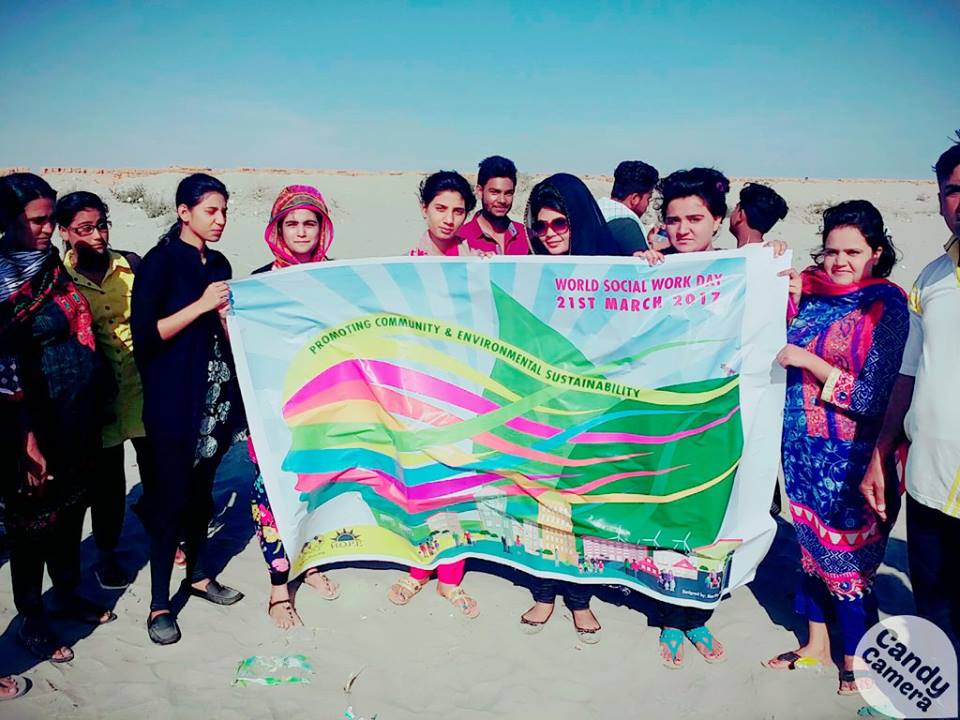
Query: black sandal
pixel 43 644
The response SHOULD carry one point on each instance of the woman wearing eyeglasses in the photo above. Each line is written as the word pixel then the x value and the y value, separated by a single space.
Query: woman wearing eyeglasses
pixel 564 219
pixel 105 278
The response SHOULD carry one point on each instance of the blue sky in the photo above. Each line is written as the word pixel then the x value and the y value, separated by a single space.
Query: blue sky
pixel 819 89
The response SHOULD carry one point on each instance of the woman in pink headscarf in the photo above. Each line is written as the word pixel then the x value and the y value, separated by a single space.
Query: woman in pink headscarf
pixel 299 231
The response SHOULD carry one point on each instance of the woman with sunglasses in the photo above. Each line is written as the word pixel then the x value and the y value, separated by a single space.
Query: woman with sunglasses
pixel 445 201
pixel 564 219
pixel 105 278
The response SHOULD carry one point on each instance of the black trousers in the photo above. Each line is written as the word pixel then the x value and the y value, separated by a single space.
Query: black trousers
pixel 108 499
pixel 933 541
pixel 57 548
pixel 575 595
pixel 680 617
pixel 178 501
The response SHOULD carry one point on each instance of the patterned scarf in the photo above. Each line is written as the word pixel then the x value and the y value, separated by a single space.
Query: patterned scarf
pixel 28 278
pixel 297 197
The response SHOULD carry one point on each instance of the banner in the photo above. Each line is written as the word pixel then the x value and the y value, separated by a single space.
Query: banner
pixel 587 419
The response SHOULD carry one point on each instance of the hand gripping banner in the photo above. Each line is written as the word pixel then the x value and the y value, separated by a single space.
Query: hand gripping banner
pixel 586 419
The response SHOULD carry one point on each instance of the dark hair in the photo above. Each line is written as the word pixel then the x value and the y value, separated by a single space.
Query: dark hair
pixel 633 176
pixel 708 184
pixel 948 161
pixel 545 195
pixel 496 166
pixel 447 180
pixel 16 191
pixel 69 205
pixel 763 206
pixel 190 192
pixel 863 216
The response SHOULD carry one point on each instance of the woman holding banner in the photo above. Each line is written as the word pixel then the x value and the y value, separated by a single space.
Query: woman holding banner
pixel 564 219
pixel 191 402
pixel 445 201
pixel 846 338
pixel 694 204
pixel 299 231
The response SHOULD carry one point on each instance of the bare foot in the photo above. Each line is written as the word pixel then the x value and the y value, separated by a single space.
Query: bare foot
pixel 327 588
pixel 281 610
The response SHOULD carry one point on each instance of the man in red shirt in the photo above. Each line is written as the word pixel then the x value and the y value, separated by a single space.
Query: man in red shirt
pixel 491 230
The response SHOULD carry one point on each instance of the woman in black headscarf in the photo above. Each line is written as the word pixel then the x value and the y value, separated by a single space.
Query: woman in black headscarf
pixel 564 219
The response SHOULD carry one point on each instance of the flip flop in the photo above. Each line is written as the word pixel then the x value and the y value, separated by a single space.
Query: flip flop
pixel 332 591
pixel 793 661
pixel 406 587
pixel 20 684
pixel 673 639
pixel 459 599
pixel 702 635
pixel 43 645
pixel 163 629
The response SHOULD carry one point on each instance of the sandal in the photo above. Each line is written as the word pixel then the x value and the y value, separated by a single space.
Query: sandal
pixel 403 590
pixel 18 684
pixel 702 636
pixel 458 598
pixel 291 613
pixel 793 661
pixel 532 627
pixel 672 638
pixel 847 677
pixel 588 636
pixel 85 611
pixel 327 589
pixel 43 644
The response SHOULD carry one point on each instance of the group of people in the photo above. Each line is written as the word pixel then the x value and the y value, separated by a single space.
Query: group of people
pixel 99 346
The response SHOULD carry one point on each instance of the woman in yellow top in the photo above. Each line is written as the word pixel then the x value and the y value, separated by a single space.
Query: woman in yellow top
pixel 105 278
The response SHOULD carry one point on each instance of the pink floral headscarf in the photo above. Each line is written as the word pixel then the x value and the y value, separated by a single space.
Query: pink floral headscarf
pixel 298 197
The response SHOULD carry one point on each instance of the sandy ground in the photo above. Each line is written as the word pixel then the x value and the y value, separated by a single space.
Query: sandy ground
pixel 424 660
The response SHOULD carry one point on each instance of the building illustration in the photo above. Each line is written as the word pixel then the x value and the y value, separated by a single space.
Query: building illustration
pixel 555 517
pixel 445 521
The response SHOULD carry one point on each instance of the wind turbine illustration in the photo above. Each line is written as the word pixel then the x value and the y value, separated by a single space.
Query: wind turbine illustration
pixel 683 544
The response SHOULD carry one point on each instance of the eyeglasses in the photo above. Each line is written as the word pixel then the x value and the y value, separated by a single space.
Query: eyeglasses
pixel 87 228
pixel 559 225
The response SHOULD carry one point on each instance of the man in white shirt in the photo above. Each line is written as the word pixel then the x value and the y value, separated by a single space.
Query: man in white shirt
pixel 633 183
pixel 924 410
